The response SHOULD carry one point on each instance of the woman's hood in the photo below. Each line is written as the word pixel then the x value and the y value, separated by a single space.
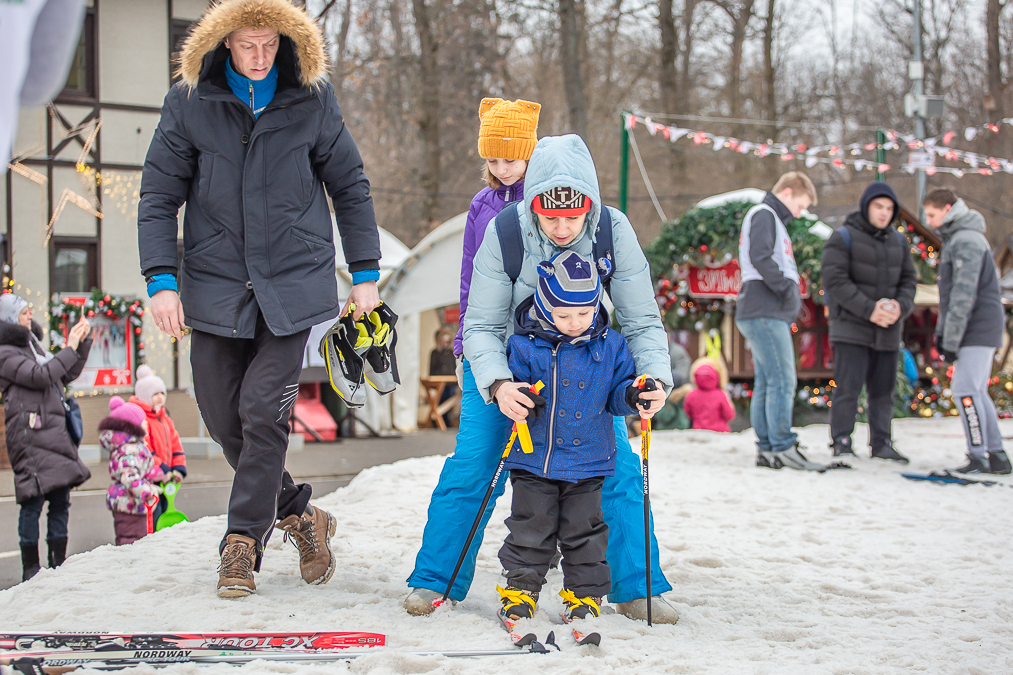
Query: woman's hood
pixel 562 161
pixel 228 16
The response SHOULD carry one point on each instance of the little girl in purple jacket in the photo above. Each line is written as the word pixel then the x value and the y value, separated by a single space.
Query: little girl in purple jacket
pixel 506 140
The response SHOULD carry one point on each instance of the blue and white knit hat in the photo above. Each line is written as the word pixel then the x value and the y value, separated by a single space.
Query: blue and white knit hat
pixel 567 280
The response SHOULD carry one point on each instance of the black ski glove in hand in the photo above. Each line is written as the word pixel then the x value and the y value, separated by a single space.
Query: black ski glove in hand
pixel 539 402
pixel 948 357
pixel 633 393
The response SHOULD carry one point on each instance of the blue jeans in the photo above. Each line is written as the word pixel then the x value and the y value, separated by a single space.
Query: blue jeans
pixel 774 387
pixel 465 478
pixel 56 519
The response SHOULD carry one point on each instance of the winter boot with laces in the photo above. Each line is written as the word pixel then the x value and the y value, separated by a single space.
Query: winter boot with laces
pixel 765 459
pixel 29 560
pixel 311 533
pixel 889 452
pixel 517 603
pixel 998 463
pixel 579 608
pixel 235 574
pixel 974 465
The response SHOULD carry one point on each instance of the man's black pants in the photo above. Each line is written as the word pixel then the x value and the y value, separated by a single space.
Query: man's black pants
pixel 855 365
pixel 544 511
pixel 245 390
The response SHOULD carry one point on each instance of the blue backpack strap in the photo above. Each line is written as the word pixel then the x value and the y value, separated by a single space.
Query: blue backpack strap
pixel 845 236
pixel 508 229
pixel 603 249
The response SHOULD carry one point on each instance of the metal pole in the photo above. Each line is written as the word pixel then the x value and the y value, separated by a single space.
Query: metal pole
pixel 624 160
pixel 918 88
pixel 880 153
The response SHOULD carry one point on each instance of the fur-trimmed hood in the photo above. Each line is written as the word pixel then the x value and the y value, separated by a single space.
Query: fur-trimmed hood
pixel 116 424
pixel 17 335
pixel 227 16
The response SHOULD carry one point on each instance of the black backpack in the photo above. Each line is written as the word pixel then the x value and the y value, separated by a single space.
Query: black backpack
pixel 508 229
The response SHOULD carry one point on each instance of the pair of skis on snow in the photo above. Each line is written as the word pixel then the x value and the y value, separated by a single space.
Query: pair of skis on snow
pixel 530 640
pixel 54 653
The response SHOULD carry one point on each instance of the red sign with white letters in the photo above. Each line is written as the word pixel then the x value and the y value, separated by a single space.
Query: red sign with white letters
pixel 723 281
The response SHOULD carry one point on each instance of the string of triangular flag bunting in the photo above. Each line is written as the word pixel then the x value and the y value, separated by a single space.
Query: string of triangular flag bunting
pixel 839 155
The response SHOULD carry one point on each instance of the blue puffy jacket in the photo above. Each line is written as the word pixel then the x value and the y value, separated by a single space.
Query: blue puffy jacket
pixel 585 385
pixel 560 161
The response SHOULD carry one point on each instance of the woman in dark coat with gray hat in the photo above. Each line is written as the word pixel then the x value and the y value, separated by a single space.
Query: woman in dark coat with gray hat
pixel 45 460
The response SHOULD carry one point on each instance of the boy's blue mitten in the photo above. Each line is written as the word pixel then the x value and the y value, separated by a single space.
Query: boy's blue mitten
pixel 633 393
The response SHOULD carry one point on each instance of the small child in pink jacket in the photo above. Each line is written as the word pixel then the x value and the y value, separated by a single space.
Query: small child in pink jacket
pixel 133 469
pixel 708 406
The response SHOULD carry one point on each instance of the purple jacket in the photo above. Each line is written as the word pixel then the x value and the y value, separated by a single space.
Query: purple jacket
pixel 484 207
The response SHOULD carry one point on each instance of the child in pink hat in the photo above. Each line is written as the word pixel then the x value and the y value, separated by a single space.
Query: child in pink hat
pixel 132 468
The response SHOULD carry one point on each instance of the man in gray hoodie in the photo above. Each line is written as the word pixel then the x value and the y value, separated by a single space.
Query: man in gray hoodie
pixel 970 325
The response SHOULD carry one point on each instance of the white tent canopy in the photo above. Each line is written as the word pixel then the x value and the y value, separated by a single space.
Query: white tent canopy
pixel 429 277
pixel 755 196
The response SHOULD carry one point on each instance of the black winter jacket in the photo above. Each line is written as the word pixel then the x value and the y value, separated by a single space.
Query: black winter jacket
pixel 257 225
pixel 879 265
pixel 43 457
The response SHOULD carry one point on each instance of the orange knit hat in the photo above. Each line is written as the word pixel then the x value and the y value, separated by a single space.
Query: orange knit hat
pixel 508 128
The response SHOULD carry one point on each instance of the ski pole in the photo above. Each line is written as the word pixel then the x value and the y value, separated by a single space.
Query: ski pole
pixel 522 427
pixel 478 516
pixel 645 445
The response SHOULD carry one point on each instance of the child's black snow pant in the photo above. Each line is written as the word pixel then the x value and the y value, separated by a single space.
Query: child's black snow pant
pixel 245 390
pixel 544 511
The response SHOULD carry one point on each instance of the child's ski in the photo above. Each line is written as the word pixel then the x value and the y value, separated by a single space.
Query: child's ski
pixel 582 638
pixel 242 641
pixel 526 640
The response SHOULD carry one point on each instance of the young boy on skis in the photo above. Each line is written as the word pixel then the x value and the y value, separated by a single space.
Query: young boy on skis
pixel 562 340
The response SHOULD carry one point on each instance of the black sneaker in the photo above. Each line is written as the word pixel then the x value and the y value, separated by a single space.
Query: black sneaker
pixel 888 452
pixel 842 446
pixel 998 463
pixel 974 465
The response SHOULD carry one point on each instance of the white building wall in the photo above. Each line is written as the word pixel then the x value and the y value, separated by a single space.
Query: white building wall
pixel 189 10
pixel 134 51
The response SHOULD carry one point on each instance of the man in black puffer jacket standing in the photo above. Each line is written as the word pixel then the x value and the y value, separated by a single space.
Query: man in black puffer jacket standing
pixel 869 278
pixel 253 142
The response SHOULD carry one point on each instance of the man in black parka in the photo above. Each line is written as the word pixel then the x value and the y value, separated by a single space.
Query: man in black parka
pixel 252 141
pixel 869 279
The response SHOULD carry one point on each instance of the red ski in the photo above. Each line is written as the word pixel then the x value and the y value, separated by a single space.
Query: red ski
pixel 176 641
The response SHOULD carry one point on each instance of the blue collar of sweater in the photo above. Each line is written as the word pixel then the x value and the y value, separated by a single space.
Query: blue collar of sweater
pixel 255 93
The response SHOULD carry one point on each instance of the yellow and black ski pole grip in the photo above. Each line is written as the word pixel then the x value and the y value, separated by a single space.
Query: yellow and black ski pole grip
pixel 521 428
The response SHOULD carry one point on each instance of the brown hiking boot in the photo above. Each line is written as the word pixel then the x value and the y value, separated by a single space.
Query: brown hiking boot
pixel 235 574
pixel 312 534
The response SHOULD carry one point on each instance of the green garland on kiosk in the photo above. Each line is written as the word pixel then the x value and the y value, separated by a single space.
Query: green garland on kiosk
pixel 64 314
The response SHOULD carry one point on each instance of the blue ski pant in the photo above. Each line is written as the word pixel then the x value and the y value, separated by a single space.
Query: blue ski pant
pixel 465 478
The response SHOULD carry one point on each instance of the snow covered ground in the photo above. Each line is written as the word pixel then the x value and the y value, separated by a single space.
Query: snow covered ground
pixel 774 572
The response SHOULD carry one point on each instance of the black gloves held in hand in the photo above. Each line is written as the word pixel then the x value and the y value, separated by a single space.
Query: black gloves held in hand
pixel 539 402
pixel 633 393
pixel 948 357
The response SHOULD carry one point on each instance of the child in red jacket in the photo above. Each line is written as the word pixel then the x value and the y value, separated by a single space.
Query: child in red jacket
pixel 163 440
pixel 708 406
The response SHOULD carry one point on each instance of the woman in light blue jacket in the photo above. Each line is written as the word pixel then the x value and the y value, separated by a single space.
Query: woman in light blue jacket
pixel 557 162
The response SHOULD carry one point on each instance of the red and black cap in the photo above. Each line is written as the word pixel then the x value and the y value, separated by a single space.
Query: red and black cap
pixel 561 201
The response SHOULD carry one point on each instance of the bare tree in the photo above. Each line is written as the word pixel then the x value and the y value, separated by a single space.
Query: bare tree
pixel 740 12
pixel 429 113
pixel 668 78
pixel 769 79
pixel 571 19
pixel 996 95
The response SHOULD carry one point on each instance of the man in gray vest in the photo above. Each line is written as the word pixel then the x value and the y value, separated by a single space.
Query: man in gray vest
pixel 869 279
pixel 765 308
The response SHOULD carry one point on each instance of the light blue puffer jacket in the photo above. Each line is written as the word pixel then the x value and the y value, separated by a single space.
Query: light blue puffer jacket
pixel 560 161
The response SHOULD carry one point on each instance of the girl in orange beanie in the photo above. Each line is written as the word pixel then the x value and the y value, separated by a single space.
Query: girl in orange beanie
pixel 506 139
